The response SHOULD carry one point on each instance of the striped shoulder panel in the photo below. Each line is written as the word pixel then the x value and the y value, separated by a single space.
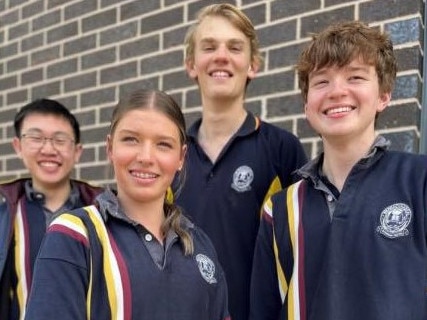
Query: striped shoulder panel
pixel 274 187
pixel 71 225
pixel 267 211
pixel 293 288
pixel 257 122
pixel 283 282
pixel 115 271
pixel 296 299
pixel 22 258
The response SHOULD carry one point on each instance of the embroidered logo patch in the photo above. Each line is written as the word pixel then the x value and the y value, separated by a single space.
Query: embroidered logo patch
pixel 394 220
pixel 206 268
pixel 242 179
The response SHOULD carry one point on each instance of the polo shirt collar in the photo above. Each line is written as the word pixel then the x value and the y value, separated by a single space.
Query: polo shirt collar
pixel 108 205
pixel 311 169
pixel 73 200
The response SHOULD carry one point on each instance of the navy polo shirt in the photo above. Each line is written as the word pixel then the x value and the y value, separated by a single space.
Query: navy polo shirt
pixel 190 287
pixel 224 198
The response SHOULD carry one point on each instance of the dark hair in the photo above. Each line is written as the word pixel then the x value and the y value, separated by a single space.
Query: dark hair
pixel 342 42
pixel 164 103
pixel 46 107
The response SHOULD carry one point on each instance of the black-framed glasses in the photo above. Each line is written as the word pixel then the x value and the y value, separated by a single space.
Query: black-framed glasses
pixel 37 141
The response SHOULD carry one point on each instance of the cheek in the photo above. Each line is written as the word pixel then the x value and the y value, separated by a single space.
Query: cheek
pixel 120 157
pixel 171 164
pixel 314 101
pixel 28 156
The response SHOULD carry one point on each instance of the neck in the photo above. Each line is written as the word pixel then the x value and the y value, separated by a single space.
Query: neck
pixel 149 214
pixel 339 159
pixel 55 195
pixel 221 124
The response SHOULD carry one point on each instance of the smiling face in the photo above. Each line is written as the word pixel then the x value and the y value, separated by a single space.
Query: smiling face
pixel 146 151
pixel 342 102
pixel 222 59
pixel 48 166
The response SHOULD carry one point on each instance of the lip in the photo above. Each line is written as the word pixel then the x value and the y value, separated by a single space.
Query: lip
pixel 338 110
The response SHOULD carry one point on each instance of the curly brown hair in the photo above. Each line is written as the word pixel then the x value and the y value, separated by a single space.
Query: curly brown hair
pixel 339 44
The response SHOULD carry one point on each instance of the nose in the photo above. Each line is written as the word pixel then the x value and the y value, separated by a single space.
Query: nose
pixel 338 88
pixel 221 52
pixel 48 145
pixel 145 153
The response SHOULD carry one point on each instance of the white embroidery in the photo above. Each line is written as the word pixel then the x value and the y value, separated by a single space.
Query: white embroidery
pixel 206 268
pixel 394 220
pixel 242 179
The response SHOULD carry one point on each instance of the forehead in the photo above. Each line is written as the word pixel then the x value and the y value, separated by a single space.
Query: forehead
pixel 38 121
pixel 357 64
pixel 219 29
pixel 142 119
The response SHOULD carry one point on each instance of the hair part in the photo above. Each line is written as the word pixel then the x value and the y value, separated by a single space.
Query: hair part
pixel 160 101
pixel 339 44
pixel 46 107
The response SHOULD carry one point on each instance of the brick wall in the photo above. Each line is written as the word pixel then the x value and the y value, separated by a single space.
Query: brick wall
pixel 86 53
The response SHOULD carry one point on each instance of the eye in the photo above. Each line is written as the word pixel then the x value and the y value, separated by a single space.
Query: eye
pixel 60 141
pixel 165 145
pixel 356 77
pixel 129 140
pixel 319 82
pixel 208 48
pixel 35 138
pixel 236 48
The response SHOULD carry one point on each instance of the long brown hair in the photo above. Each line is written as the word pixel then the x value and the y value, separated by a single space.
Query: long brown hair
pixel 164 103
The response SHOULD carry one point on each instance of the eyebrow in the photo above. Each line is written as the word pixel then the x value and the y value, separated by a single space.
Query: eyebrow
pixel 358 68
pixel 136 133
pixel 350 68
pixel 213 40
pixel 56 133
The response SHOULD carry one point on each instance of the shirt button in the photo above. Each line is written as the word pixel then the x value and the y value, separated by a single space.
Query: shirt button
pixel 39 196
pixel 329 198
pixel 148 237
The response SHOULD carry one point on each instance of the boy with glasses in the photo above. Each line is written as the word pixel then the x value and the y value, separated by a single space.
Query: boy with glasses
pixel 48 142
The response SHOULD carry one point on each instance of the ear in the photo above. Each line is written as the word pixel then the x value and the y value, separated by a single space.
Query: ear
pixel 78 152
pixel 253 69
pixel 191 69
pixel 109 148
pixel 16 143
pixel 383 101
pixel 182 158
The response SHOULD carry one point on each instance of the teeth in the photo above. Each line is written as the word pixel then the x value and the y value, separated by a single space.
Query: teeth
pixel 338 110
pixel 220 74
pixel 144 175
pixel 48 164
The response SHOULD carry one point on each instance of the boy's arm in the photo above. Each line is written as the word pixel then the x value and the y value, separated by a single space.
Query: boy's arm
pixel 60 280
pixel 265 295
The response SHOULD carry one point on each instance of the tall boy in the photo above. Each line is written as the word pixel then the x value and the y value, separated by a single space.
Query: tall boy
pixel 348 241
pixel 234 160
pixel 48 142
